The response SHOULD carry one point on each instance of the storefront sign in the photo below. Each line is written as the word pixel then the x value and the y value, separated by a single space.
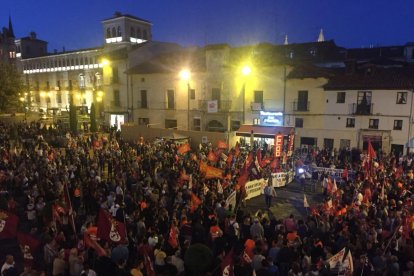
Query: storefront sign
pixel 278 145
pixel 271 118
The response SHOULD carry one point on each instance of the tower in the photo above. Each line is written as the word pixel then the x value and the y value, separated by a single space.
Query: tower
pixel 125 28
pixel 321 37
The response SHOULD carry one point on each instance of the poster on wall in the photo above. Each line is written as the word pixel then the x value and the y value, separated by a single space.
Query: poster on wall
pixel 212 106
pixel 278 145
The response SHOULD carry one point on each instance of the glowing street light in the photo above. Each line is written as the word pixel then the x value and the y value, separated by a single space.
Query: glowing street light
pixel 185 75
pixel 246 70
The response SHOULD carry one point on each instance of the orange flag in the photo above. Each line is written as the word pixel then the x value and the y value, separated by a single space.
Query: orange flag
pixel 213 172
pixel 222 145
pixel 184 148
pixel 371 152
pixel 195 202
pixel 212 157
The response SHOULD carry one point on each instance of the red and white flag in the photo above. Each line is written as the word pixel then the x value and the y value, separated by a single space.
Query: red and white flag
pixel 109 229
pixel 227 265
pixel 28 244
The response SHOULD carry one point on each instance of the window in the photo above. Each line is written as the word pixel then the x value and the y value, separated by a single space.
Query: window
pixel 170 99
pixel 117 98
pixel 401 97
pixel 115 75
pixel 235 125
pixel 81 81
pixel 216 95
pixel 143 121
pixel 298 122
pixel 258 97
pixel 350 122
pixel 47 86
pixel 340 97
pixel 57 85
pixel 197 124
pixel 113 32
pixel 144 103
pixel 364 103
pixel 59 97
pixel 256 121
pixel 373 123
pixel 70 85
pixel 108 33
pixel 170 123
pixel 398 124
pixel 138 33
pixel 119 33
pixel 192 94
pixel 302 103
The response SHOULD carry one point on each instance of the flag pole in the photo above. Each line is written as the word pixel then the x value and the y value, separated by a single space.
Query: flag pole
pixel 71 212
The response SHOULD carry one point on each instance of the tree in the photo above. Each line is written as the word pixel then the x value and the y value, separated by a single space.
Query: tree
pixel 11 86
pixel 73 117
pixel 93 118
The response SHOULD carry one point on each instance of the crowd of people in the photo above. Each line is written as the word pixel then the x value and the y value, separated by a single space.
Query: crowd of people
pixel 103 206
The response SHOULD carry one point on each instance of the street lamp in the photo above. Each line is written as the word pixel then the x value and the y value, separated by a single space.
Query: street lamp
pixel 185 75
pixel 245 71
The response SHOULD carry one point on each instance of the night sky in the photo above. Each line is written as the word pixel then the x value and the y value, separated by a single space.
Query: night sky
pixel 76 24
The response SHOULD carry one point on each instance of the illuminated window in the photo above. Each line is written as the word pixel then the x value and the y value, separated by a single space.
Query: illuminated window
pixel 373 123
pixel 350 122
pixel 82 81
pixel 398 124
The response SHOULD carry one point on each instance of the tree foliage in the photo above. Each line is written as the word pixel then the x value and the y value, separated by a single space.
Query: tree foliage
pixel 93 118
pixel 11 85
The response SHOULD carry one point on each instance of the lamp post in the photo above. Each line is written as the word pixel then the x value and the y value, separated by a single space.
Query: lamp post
pixel 245 71
pixel 185 75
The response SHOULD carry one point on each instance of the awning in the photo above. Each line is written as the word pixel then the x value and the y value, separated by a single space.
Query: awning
pixel 263 131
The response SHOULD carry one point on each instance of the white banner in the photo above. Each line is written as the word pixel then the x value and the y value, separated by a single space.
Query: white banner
pixel 212 106
pixel 342 264
pixel 279 179
pixel 255 188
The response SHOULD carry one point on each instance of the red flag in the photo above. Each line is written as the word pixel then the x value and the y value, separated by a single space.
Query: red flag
pixel 212 157
pixel 184 148
pixel 149 268
pixel 213 172
pixel 195 202
pixel 91 242
pixel 229 159
pixel 172 237
pixel 184 176
pixel 274 163
pixel 259 155
pixel 222 145
pixel 249 160
pixel 371 152
pixel 28 244
pixel 8 225
pixel 227 265
pixel 109 229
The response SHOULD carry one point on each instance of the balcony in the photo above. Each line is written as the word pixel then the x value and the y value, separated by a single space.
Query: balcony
pixel 257 106
pixel 223 106
pixel 361 109
pixel 301 106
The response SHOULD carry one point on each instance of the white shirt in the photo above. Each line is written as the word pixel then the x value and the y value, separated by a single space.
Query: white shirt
pixel 5 267
pixel 90 272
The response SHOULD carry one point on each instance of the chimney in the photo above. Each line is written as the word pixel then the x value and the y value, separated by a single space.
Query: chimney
pixel 32 35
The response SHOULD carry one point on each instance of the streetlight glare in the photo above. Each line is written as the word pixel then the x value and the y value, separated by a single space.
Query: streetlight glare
pixel 246 70
pixel 105 62
pixel 185 74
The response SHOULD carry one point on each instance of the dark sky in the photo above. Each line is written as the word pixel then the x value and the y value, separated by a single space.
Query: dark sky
pixel 351 23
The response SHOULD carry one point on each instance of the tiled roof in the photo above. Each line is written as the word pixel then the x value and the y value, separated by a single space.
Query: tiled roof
pixel 395 52
pixel 309 71
pixel 371 77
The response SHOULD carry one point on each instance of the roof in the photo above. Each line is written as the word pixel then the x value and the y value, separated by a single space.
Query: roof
pixel 31 39
pixel 369 77
pixel 395 52
pixel 263 131
pixel 118 14
pixel 172 62
pixel 309 71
